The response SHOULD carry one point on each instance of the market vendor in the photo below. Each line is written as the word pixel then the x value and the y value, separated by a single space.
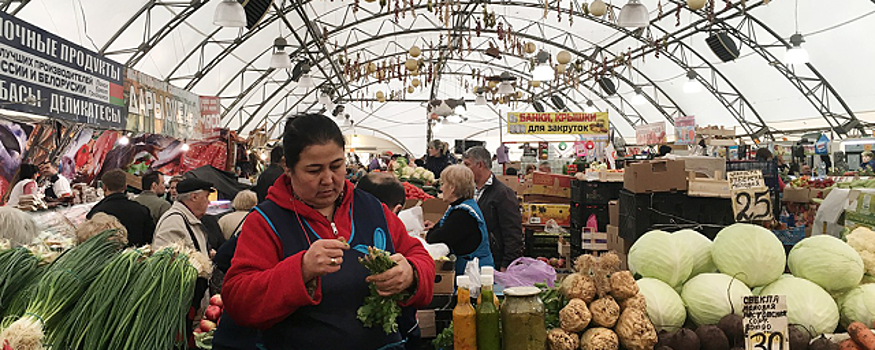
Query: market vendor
pixel 868 161
pixel 58 188
pixel 462 227
pixel 291 274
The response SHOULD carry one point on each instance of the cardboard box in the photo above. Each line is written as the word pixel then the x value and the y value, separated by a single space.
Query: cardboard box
pixel 540 213
pixel 796 195
pixel 538 198
pixel 709 167
pixel 548 184
pixel 655 176
pixel 611 176
pixel 614 212
pixel 617 243
pixel 444 265
pixel 512 181
pixel 444 283
pixel 427 324
pixel 433 209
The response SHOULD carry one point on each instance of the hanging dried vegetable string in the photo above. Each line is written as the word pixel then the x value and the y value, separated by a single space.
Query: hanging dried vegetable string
pixel 678 17
pixel 659 5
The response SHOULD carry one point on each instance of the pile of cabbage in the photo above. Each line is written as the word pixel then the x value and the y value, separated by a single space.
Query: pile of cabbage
pixel 684 275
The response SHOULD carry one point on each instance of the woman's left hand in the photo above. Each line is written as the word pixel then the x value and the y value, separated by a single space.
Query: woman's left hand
pixel 394 280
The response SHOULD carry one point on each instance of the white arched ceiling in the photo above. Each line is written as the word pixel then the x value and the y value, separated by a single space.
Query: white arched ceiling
pixel 835 38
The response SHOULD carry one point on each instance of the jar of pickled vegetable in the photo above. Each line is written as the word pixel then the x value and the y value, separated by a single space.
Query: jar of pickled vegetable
pixel 522 319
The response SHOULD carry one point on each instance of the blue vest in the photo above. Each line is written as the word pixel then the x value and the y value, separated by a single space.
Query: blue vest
pixel 332 324
pixel 482 252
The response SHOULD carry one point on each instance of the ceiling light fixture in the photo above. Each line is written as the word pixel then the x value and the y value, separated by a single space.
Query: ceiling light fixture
pixel 638 99
pixel 633 15
pixel 796 54
pixel 230 13
pixel 480 100
pixel 306 81
pixel 280 59
pixel 543 71
pixel 692 86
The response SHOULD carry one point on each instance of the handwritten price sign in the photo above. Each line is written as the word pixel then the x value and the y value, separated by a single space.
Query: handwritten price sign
pixel 751 199
pixel 751 204
pixel 765 322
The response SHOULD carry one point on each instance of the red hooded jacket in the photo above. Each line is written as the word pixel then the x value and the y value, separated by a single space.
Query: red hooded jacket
pixel 261 288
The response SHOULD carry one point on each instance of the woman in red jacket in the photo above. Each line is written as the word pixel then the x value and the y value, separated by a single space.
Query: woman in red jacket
pixel 292 276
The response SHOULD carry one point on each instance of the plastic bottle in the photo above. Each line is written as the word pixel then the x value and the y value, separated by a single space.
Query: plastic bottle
pixel 464 318
pixel 487 271
pixel 488 318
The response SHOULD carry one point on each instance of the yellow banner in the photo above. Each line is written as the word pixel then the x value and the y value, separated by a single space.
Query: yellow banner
pixel 558 123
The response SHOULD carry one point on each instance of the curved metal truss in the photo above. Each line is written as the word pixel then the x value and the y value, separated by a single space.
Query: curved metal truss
pixel 669 111
pixel 816 89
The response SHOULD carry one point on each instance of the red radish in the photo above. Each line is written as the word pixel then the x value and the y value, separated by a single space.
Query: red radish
pixel 213 313
pixel 198 331
pixel 207 325
pixel 217 300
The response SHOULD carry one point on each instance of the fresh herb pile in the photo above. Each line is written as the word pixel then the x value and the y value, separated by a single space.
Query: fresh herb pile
pixel 17 266
pixel 379 310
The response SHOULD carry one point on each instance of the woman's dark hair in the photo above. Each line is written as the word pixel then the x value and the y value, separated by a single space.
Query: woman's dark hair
pixel 512 171
pixel 663 150
pixel 27 171
pixel 763 154
pixel 306 130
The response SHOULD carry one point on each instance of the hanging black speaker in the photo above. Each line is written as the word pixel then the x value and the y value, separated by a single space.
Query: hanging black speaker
pixel 539 107
pixel 723 46
pixel 607 86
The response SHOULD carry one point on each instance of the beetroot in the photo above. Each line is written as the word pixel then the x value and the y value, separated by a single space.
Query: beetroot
pixel 712 338
pixel 733 327
pixel 799 338
pixel 664 339
pixel 685 339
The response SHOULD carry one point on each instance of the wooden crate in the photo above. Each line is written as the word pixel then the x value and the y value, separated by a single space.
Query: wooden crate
pixel 721 131
pixel 607 176
pixel 705 187
pixel 597 241
pixel 716 142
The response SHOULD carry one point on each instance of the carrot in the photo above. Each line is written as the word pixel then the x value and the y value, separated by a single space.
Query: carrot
pixel 861 334
pixel 849 344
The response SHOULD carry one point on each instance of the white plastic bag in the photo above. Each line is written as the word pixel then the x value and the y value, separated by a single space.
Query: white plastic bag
pixel 413 220
pixel 472 270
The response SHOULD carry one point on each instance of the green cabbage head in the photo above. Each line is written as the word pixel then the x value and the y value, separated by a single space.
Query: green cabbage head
pixel 663 256
pixel 665 308
pixel 827 261
pixel 699 247
pixel 808 305
pixel 710 296
pixel 751 253
pixel 858 305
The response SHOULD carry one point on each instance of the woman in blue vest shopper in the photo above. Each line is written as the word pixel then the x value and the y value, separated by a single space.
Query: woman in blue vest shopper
pixel 462 228
pixel 295 272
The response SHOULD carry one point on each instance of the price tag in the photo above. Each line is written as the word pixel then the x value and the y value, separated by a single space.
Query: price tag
pixel 745 179
pixel 751 204
pixel 765 322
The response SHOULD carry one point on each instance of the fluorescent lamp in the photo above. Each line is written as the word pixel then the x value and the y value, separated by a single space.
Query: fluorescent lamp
pixel 306 81
pixel 505 88
pixel 633 15
pixel 638 99
pixel 480 100
pixel 230 13
pixel 796 54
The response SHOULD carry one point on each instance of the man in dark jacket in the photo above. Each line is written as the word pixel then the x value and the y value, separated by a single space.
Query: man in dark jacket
pixel 134 216
pixel 269 176
pixel 500 208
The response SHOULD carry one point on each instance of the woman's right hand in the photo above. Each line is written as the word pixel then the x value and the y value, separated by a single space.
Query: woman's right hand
pixel 324 256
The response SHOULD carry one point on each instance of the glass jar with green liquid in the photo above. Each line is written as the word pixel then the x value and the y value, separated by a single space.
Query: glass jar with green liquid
pixel 488 318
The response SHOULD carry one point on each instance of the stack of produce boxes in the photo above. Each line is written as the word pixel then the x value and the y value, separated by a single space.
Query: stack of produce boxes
pixel 545 197
pixel 590 215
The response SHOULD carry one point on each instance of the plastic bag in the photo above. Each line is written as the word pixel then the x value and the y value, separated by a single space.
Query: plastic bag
pixel 472 270
pixel 552 227
pixel 524 272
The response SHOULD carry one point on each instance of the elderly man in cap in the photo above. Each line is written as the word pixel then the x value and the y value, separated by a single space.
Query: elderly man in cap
pixel 182 222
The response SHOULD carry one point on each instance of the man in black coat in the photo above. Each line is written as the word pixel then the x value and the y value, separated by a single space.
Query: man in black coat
pixel 135 217
pixel 500 208
pixel 269 176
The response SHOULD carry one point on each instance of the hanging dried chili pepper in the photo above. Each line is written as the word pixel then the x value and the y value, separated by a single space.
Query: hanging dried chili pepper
pixel 571 13
pixel 397 10
pixel 678 17
pixel 500 31
pixel 355 6
pixel 478 27
pixel 728 5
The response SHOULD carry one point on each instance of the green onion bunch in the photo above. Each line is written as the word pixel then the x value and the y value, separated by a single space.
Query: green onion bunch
pixel 59 288
pixel 85 325
pixel 152 314
pixel 17 268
